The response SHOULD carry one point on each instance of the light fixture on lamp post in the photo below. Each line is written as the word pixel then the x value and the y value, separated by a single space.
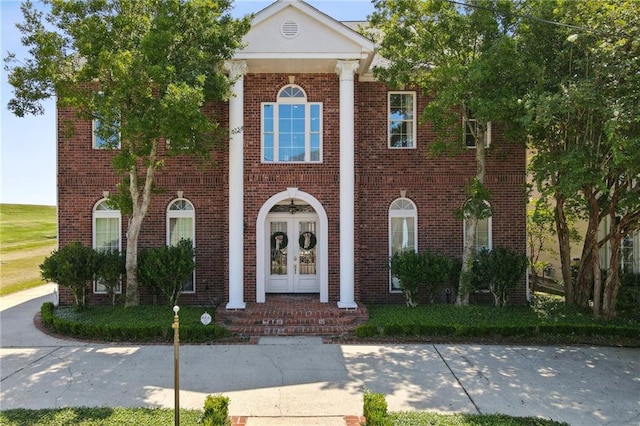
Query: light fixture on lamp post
pixel 176 365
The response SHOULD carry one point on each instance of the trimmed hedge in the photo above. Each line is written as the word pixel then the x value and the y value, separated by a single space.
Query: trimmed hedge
pixel 139 331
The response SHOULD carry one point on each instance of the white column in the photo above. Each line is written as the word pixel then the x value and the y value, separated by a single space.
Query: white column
pixel 236 69
pixel 346 70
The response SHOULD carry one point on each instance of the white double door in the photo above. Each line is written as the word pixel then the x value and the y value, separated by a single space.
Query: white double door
pixel 292 248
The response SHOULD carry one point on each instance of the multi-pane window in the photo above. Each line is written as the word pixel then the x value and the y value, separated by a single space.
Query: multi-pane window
pixel 401 119
pixel 103 137
pixel 292 128
pixel 483 238
pixel 403 231
pixel 470 132
pixel 181 219
pixel 106 234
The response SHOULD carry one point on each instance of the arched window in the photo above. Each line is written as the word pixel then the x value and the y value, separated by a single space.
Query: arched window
pixel 483 232
pixel 107 234
pixel 292 128
pixel 403 231
pixel 181 225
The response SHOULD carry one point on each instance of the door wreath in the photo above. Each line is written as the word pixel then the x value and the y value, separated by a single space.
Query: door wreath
pixel 279 240
pixel 307 240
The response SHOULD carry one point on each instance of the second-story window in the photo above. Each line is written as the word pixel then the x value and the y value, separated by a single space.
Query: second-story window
pixel 292 128
pixel 401 119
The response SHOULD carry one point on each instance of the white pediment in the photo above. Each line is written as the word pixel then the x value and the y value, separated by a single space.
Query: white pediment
pixel 291 36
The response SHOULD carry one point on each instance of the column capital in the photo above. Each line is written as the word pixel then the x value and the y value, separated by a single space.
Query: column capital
pixel 236 68
pixel 346 69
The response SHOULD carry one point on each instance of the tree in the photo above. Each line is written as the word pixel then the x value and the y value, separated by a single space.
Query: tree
pixel 143 69
pixel 499 269
pixel 71 266
pixel 582 115
pixel 109 266
pixel 167 268
pixel 463 55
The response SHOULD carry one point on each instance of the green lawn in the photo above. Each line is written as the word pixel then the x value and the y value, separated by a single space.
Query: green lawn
pixel 27 235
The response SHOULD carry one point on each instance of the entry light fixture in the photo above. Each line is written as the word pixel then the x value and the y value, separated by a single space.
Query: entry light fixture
pixel 292 207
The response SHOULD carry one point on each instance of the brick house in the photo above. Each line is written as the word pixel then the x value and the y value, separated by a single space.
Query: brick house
pixel 329 175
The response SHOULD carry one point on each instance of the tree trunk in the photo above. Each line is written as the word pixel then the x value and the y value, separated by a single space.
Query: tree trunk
pixel 140 203
pixel 564 245
pixel 589 273
pixel 612 284
pixel 469 251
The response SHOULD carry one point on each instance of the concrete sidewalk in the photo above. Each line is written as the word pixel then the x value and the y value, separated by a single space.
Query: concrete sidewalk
pixel 287 381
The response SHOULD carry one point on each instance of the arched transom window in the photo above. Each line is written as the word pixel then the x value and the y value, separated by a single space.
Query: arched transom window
pixel 403 231
pixel 291 128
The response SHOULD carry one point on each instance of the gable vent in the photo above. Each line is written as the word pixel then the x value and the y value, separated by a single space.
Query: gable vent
pixel 289 29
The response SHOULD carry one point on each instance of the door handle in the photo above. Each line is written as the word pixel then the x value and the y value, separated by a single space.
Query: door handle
pixel 295 268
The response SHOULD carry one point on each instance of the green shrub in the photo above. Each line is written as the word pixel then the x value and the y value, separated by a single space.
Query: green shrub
pixel 367 330
pixel 216 411
pixel 420 273
pixel 71 266
pixel 499 270
pixel 167 268
pixel 46 312
pixel 375 409
pixel 135 324
pixel 109 267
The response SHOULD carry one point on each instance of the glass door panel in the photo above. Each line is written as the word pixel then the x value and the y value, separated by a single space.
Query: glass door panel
pixel 307 241
pixel 279 244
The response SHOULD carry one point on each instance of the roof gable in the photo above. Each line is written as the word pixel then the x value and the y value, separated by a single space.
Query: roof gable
pixel 291 36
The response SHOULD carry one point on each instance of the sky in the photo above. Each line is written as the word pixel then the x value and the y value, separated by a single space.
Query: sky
pixel 28 144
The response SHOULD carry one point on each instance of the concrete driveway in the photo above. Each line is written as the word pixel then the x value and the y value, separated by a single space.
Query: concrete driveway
pixel 302 381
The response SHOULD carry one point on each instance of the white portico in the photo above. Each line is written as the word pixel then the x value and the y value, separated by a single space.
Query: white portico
pixel 292 37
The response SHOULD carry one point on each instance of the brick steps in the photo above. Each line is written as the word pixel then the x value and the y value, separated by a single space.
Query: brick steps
pixel 283 315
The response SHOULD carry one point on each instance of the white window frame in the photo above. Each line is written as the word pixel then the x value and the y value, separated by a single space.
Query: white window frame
pixel 94 138
pixel 412 120
pixel 177 214
pixel 467 135
pixel 294 100
pixel 489 231
pixel 401 208
pixel 107 213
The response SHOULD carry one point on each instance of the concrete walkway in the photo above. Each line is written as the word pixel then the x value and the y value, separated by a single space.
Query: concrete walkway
pixel 300 381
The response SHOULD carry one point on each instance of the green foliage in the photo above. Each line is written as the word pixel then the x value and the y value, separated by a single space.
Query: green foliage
pixel 144 69
pixel 408 267
pixel 131 324
pixel 109 269
pixel 420 273
pixel 499 270
pixel 167 268
pixel 91 416
pixel 629 296
pixel 375 409
pixel 46 312
pixel 72 267
pixel 415 418
pixel 106 416
pixel 548 319
pixel 216 411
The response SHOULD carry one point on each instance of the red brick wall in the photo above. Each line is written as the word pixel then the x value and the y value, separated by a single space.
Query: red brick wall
pixel 434 184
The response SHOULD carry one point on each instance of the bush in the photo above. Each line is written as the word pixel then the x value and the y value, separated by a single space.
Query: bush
pixel 46 312
pixel 424 271
pixel 375 409
pixel 216 411
pixel 167 268
pixel 109 266
pixel 499 269
pixel 71 266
